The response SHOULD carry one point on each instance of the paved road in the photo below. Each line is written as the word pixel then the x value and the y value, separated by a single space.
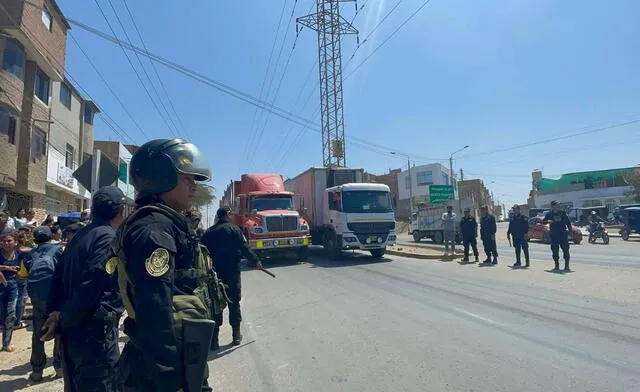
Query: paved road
pixel 408 325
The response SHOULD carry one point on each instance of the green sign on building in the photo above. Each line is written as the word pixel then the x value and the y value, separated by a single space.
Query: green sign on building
pixel 440 194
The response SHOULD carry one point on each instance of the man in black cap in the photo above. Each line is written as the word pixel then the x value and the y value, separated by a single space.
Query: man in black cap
pixel 519 231
pixel 84 302
pixel 469 230
pixel 559 230
pixel 226 244
pixel 40 264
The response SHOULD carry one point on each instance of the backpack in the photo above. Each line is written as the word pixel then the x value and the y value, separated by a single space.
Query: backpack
pixel 40 264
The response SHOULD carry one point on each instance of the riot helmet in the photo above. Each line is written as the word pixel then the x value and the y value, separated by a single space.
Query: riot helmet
pixel 156 165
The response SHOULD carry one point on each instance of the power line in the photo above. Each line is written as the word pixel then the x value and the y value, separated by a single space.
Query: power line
pixel 134 68
pixel 33 38
pixel 413 15
pixel 373 30
pixel 264 81
pixel 155 70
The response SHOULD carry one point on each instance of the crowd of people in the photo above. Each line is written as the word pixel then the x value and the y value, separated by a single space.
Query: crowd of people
pixel 154 264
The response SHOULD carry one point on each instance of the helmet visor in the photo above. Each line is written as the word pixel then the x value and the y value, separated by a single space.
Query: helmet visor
pixel 188 159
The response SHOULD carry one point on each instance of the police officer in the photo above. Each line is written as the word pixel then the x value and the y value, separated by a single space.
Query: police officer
pixel 559 227
pixel 84 302
pixel 469 230
pixel 227 244
pixel 488 228
pixel 159 270
pixel 194 217
pixel 519 231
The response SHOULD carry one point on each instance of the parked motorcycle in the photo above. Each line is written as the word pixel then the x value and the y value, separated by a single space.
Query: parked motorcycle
pixel 596 231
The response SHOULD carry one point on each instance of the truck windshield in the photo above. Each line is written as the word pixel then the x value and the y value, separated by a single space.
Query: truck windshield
pixel 366 201
pixel 272 203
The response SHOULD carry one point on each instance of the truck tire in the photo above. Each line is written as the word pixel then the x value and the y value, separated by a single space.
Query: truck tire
pixel 416 236
pixel 438 237
pixel 377 253
pixel 331 247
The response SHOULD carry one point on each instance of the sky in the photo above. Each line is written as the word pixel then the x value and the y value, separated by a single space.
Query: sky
pixel 498 75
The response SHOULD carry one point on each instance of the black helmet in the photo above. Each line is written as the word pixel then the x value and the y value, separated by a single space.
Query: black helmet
pixel 155 166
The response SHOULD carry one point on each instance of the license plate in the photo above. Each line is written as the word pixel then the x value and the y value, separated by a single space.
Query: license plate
pixel 373 238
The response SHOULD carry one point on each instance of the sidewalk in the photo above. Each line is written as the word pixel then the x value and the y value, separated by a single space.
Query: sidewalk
pixel 435 252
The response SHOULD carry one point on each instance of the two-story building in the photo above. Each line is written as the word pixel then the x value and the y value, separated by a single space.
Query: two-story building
pixel 70 144
pixel 418 185
pixel 32 54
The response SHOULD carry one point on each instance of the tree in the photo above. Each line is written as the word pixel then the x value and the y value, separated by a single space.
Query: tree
pixel 204 195
pixel 633 178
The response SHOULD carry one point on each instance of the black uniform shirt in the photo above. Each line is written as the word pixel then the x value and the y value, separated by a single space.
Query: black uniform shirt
pixel 559 222
pixel 488 226
pixel 518 226
pixel 225 243
pixel 150 234
pixel 468 227
pixel 81 285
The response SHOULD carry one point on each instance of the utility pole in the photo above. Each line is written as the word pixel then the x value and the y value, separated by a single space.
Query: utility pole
pixel 330 27
pixel 450 177
pixel 410 181
pixel 461 175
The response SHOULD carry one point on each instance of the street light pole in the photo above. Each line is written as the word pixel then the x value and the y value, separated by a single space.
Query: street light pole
pixel 410 181
pixel 450 177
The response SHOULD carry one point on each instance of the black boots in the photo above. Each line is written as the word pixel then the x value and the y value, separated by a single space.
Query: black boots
pixel 237 336
pixel 557 267
pixel 566 266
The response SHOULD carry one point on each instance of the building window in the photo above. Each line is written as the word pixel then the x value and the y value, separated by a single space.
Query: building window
pixel 42 86
pixel 69 156
pixel 88 114
pixel 425 178
pixel 46 17
pixel 65 95
pixel 8 124
pixel 123 171
pixel 407 182
pixel 13 58
pixel 38 144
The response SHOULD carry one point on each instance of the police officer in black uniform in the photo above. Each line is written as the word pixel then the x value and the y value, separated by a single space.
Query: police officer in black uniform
pixel 560 228
pixel 156 266
pixel 488 228
pixel 469 230
pixel 227 245
pixel 519 231
pixel 84 303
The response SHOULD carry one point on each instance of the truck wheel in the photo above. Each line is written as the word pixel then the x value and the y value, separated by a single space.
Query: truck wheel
pixel 416 236
pixel 438 238
pixel 331 247
pixel 377 253
pixel 625 234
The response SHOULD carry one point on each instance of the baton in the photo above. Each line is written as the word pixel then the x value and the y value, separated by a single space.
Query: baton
pixel 509 238
pixel 268 272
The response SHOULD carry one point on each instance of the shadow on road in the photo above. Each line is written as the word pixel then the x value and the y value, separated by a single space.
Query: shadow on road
pixel 487 265
pixel 559 272
pixel 346 260
pixel 466 262
pixel 227 349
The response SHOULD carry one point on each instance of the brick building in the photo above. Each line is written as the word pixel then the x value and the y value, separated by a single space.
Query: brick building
pixel 477 192
pixel 32 55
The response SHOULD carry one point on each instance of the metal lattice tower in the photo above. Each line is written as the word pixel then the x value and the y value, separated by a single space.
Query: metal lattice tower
pixel 330 26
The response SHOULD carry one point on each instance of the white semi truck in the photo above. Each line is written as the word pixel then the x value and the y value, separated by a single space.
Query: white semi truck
pixel 343 212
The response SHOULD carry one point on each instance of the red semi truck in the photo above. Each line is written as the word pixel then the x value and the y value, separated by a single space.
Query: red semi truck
pixel 266 214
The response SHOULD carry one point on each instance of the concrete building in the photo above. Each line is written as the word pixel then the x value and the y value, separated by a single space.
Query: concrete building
pixel 606 188
pixel 477 192
pixel 70 144
pixel 120 155
pixel 32 54
pixel 421 177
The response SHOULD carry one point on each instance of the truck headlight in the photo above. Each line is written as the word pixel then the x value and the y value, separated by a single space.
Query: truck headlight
pixel 257 230
pixel 304 227
pixel 392 238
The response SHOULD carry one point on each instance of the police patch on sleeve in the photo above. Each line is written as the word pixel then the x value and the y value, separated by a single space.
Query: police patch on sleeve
pixel 158 263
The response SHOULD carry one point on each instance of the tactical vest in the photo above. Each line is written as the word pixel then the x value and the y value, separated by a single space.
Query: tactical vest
pixel 209 297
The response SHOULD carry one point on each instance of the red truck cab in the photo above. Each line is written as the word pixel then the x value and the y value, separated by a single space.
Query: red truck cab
pixel 267 215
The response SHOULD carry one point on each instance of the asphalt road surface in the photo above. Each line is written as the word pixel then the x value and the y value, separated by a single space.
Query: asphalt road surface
pixel 412 325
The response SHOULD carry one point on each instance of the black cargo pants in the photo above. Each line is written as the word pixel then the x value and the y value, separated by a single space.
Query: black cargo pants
pixel 38 355
pixel 521 245
pixel 490 247
pixel 234 292
pixel 470 241
pixel 560 241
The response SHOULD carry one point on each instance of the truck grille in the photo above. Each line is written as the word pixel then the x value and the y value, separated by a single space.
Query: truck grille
pixel 371 227
pixel 282 223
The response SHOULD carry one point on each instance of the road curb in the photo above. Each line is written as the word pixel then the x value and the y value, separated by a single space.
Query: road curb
pixel 419 256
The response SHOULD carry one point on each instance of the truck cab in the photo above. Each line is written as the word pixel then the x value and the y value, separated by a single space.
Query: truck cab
pixel 358 216
pixel 267 216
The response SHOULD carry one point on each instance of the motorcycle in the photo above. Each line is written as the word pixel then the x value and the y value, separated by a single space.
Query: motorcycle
pixel 597 230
